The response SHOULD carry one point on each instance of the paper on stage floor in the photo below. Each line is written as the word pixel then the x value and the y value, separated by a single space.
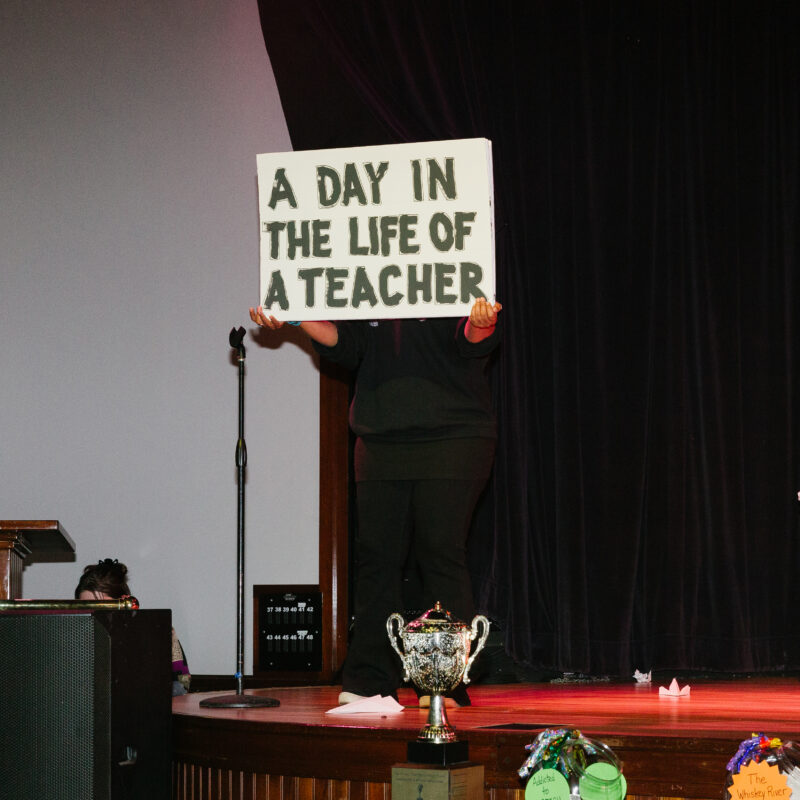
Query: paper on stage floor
pixel 674 690
pixel 369 705
pixel 643 677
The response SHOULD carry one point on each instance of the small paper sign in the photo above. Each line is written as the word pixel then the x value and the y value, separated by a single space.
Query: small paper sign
pixel 547 784
pixel 388 232
pixel 760 781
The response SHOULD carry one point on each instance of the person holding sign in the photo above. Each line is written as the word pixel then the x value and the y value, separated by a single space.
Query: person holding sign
pixel 426 435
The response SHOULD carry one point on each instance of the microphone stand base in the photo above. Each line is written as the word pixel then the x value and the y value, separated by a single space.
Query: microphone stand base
pixel 239 701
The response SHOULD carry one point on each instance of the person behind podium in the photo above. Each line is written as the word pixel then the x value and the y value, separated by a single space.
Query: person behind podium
pixel 108 580
pixel 426 433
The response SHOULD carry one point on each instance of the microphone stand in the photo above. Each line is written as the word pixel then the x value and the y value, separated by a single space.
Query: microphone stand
pixel 240 699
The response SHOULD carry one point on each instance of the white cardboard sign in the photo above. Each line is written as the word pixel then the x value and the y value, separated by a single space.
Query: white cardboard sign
pixel 382 232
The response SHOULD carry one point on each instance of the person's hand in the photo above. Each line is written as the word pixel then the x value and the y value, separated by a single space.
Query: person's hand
pixel 326 333
pixel 260 318
pixel 484 314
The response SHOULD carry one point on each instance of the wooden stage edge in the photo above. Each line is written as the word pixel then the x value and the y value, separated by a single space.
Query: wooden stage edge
pixel 670 747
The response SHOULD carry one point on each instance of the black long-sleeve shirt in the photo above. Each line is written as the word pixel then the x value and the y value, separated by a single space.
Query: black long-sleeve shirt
pixel 422 405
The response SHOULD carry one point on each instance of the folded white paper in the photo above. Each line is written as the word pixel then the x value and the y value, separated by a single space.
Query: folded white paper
pixel 369 705
pixel 643 677
pixel 674 690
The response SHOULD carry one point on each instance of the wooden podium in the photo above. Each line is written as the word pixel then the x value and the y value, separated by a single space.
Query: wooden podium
pixel 20 539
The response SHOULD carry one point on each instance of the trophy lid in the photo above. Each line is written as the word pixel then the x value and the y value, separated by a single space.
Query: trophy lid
pixel 434 620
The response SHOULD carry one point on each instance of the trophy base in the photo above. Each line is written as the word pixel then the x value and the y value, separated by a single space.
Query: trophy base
pixel 440 753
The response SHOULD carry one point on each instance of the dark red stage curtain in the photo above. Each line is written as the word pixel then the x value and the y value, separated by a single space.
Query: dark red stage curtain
pixel 643 512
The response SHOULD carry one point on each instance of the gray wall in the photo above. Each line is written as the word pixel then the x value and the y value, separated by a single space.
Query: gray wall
pixel 128 250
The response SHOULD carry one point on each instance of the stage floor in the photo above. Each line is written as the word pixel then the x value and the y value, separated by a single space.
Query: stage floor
pixel 669 746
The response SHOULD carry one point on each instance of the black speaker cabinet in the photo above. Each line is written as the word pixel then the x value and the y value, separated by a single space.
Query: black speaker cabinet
pixel 85 705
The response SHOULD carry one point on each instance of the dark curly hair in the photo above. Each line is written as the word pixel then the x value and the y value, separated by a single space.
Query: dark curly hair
pixel 108 576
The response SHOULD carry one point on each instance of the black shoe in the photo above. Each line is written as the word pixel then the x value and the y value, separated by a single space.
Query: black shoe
pixel 459 694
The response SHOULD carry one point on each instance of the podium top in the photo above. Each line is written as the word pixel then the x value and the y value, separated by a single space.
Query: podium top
pixel 39 535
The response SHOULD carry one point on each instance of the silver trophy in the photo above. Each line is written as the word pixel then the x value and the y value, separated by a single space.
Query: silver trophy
pixel 436 656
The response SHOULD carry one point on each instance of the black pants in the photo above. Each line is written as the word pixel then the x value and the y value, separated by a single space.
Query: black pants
pixel 433 518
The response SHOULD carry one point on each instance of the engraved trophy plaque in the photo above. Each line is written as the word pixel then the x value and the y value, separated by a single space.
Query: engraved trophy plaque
pixel 436 657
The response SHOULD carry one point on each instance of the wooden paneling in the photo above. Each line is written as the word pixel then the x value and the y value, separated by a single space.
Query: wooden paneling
pixel 193 782
pixel 202 783
pixel 334 488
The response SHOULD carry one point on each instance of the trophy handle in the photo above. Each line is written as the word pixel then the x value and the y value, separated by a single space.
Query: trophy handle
pixel 481 642
pixel 401 623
